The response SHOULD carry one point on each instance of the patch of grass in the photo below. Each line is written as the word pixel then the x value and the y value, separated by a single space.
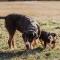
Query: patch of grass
pixel 20 53
pixel 57 27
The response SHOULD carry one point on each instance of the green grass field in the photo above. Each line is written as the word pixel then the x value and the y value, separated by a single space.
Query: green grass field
pixel 48 16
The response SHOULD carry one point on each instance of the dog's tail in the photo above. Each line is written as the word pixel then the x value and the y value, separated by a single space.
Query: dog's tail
pixel 2 17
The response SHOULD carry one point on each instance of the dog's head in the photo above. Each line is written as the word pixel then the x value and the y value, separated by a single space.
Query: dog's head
pixel 52 39
pixel 29 37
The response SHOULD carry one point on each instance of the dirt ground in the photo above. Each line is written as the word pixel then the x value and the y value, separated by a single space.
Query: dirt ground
pixel 37 9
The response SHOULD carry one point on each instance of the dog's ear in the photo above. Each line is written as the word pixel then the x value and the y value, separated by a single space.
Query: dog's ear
pixel 49 33
pixel 39 32
pixel 53 34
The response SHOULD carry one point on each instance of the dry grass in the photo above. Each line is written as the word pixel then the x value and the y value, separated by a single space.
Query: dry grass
pixel 47 14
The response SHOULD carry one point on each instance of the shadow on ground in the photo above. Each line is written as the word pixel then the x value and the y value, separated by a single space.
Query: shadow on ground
pixel 11 54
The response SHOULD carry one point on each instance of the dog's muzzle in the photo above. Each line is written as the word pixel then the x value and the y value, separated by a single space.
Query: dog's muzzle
pixel 27 45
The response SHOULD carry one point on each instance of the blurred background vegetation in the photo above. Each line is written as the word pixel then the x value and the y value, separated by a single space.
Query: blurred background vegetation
pixel 29 0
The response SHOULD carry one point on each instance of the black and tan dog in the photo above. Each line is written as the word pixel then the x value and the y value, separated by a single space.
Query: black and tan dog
pixel 29 28
pixel 48 39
